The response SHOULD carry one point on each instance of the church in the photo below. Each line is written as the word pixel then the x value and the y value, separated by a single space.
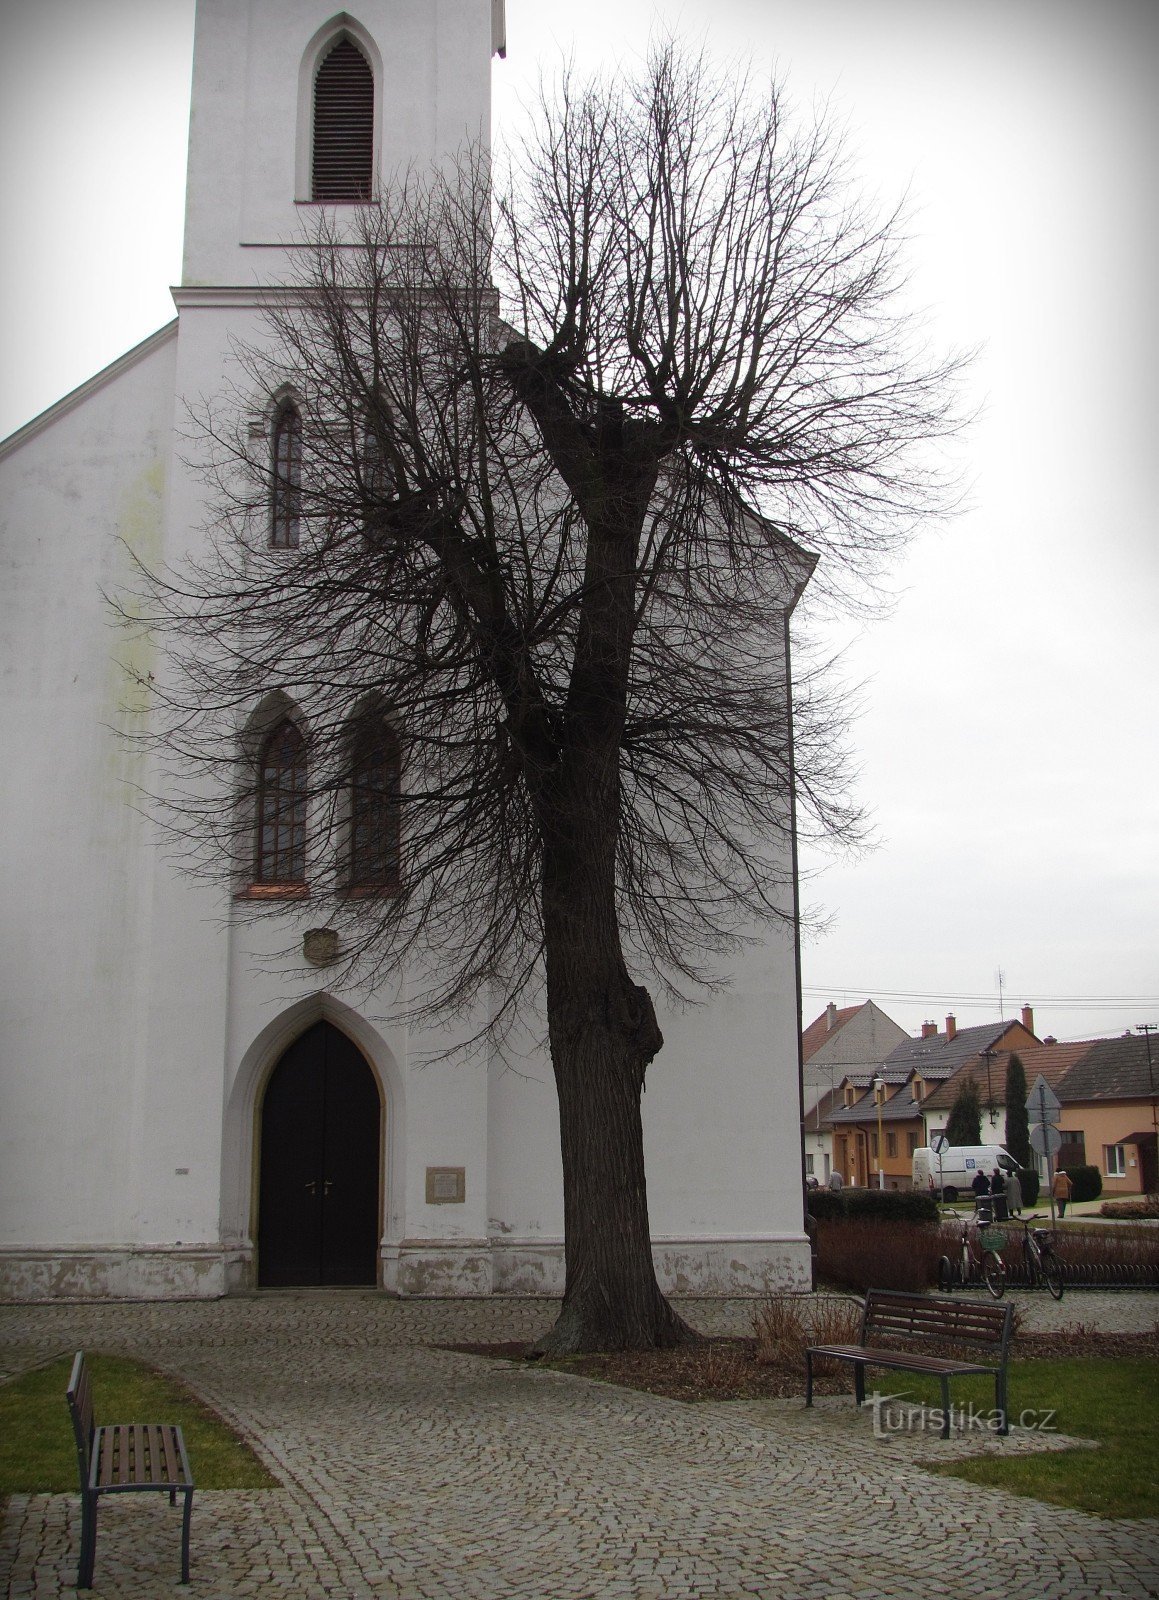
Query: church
pixel 192 1103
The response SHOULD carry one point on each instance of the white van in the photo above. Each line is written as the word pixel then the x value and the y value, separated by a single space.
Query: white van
pixel 954 1167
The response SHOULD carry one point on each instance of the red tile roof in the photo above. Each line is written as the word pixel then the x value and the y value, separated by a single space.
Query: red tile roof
pixel 818 1031
pixel 1052 1060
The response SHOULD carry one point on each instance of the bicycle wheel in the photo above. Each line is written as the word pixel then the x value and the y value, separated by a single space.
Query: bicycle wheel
pixel 1052 1273
pixel 994 1273
pixel 945 1275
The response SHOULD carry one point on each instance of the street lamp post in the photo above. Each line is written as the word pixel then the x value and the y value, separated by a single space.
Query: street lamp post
pixel 879 1096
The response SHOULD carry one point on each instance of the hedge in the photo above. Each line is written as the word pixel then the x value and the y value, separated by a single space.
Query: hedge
pixel 1087 1182
pixel 884 1205
pixel 1029 1182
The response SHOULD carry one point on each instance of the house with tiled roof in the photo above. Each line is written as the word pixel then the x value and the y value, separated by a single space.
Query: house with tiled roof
pixel 881 1115
pixel 876 1128
pixel 988 1074
pixel 1110 1114
pixel 940 1063
pixel 842 1040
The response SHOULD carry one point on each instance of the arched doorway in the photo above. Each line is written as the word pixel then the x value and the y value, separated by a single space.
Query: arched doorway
pixel 319 1194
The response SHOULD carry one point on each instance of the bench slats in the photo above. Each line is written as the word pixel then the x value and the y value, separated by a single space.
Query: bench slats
pixel 879 1357
pixel 138 1455
pixel 923 1318
pixel 123 1457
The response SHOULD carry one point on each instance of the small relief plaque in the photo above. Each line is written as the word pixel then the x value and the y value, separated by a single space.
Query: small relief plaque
pixel 446 1186
pixel 320 946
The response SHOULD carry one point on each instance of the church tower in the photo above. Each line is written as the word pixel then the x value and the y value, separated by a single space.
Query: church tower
pixel 295 105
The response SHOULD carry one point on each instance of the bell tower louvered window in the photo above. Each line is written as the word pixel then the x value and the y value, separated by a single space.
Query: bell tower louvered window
pixel 343 164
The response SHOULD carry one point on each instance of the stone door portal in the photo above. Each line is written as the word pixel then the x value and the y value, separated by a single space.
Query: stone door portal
pixel 319 1205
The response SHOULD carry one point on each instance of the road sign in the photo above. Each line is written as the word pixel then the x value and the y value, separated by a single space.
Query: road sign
pixel 1042 1104
pixel 938 1143
pixel 1045 1139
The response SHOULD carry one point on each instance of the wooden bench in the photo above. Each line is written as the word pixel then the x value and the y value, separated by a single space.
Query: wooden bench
pixel 900 1319
pixel 123 1458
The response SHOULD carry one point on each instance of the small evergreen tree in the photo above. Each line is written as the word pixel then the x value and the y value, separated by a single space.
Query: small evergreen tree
pixel 1017 1121
pixel 965 1124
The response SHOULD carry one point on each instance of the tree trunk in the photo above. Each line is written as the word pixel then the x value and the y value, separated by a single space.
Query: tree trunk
pixel 603 1033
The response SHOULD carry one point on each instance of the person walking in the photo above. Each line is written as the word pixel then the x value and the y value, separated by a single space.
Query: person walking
pixel 1013 1194
pixel 1061 1189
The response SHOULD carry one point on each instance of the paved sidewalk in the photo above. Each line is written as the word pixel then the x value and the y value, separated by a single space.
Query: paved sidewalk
pixel 422 1474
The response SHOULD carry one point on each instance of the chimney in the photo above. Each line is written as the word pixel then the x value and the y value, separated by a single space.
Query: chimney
pixel 929 1030
pixel 1028 1018
pixel 951 1026
pixel 830 1017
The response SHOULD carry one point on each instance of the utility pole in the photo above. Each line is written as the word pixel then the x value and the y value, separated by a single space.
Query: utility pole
pixel 990 1107
pixel 1147 1029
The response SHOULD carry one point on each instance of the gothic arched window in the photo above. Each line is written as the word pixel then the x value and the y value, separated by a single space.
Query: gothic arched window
pixel 286 487
pixel 374 808
pixel 280 832
pixel 343 147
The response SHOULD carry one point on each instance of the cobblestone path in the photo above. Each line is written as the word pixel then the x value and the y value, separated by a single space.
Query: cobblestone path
pixel 413 1472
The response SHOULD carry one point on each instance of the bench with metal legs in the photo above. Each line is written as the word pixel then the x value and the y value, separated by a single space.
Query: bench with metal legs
pixel 123 1458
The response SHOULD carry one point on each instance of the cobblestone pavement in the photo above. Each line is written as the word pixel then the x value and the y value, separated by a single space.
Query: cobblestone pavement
pixel 419 1473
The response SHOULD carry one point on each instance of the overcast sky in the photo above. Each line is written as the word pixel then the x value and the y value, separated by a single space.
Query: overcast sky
pixel 1008 748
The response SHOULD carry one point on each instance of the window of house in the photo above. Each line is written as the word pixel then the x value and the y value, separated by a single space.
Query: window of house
pixel 891 1144
pixel 286 488
pixel 912 1142
pixel 1115 1160
pixel 280 834
pixel 1073 1150
pixel 343 148
pixel 808 1164
pixel 374 806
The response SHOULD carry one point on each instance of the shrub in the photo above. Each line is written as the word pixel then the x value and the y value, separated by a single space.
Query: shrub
pixel 1146 1206
pixel 1029 1182
pixel 782 1332
pixel 1106 1249
pixel 1017 1120
pixel 872 1254
pixel 779 1329
pixel 883 1205
pixel 1087 1181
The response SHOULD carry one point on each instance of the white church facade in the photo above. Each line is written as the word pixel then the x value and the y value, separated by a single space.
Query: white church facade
pixel 183 1111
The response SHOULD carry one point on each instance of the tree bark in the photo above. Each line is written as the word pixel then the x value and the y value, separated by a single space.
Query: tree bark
pixel 603 1032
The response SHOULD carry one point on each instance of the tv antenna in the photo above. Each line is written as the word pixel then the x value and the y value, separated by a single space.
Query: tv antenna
pixel 1001 976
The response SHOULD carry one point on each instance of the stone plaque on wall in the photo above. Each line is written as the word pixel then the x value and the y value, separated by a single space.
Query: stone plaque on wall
pixel 446 1186
pixel 320 946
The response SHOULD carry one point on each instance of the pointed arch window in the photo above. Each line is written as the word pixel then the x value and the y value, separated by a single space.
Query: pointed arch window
pixel 286 486
pixel 374 806
pixel 379 480
pixel 343 147
pixel 280 834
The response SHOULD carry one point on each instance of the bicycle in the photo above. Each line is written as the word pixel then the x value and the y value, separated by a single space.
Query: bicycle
pixel 973 1260
pixel 1042 1265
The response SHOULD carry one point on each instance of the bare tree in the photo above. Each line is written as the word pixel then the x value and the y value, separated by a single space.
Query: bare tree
pixel 572 442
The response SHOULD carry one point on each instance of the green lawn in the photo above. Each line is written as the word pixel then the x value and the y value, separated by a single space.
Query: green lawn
pixel 1110 1401
pixel 37 1452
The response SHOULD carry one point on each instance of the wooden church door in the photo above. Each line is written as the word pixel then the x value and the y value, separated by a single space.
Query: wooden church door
pixel 318 1207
